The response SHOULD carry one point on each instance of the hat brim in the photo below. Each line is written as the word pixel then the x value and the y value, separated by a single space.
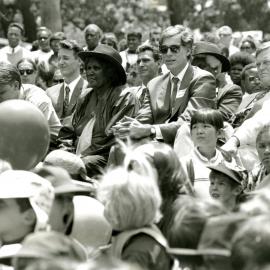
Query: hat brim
pixel 71 188
pixel 185 252
pixel 120 70
pixel 226 66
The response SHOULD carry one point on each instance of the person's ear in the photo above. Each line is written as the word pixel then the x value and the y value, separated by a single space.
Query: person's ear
pixel 29 217
pixel 237 190
pixel 16 85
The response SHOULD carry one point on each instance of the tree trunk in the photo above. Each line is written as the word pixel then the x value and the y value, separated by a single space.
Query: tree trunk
pixel 51 15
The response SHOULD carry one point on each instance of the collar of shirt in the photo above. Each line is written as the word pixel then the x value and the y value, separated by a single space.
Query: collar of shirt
pixel 72 86
pixel 205 159
pixel 16 49
pixel 180 74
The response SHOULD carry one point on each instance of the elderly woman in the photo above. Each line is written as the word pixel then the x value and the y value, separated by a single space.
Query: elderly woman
pixel 136 238
pixel 103 105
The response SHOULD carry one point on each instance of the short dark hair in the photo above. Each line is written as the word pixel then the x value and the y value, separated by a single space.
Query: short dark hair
pixel 148 47
pixel 71 45
pixel 265 129
pixel 247 67
pixel 17 25
pixel 134 33
pixel 8 74
pixel 251 244
pixel 58 36
pixel 242 58
pixel 251 43
pixel 207 116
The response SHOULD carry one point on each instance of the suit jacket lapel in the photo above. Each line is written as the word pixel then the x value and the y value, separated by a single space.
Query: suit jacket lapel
pixel 76 93
pixel 60 101
pixel 182 101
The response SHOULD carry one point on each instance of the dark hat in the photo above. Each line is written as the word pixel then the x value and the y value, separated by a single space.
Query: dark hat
pixel 62 182
pixel 235 175
pixel 51 245
pixel 207 48
pixel 109 54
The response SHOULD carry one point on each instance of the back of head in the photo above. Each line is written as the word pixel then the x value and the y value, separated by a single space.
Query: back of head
pixel 51 245
pixel 9 74
pixel 251 244
pixel 123 193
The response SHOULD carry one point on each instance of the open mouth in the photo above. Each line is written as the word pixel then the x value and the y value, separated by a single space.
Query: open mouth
pixel 215 195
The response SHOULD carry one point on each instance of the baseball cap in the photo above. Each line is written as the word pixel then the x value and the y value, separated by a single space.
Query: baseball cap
pixel 235 175
pixel 25 184
pixel 51 245
pixel 62 182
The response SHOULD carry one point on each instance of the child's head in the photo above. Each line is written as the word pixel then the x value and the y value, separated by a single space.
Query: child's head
pixel 206 126
pixel 25 202
pixel 263 146
pixel 225 184
pixel 130 200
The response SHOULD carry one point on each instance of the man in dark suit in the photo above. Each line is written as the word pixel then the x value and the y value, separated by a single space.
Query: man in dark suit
pixel 174 96
pixel 229 96
pixel 64 96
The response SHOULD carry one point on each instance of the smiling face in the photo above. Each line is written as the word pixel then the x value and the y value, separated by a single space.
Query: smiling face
pixel 263 65
pixel 174 55
pixel 222 188
pixel 147 66
pixel 68 63
pixel 95 73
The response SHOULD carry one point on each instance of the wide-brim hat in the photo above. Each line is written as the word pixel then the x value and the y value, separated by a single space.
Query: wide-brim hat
pixel 109 54
pixel 207 48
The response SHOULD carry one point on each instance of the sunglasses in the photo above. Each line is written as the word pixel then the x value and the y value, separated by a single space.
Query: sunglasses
pixel 58 81
pixel 174 49
pixel 245 48
pixel 26 71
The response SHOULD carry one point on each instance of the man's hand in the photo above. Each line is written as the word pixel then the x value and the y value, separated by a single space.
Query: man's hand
pixel 139 131
pixel 122 128
pixel 231 145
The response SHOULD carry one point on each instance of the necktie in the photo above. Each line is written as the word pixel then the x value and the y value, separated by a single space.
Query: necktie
pixel 66 101
pixel 175 81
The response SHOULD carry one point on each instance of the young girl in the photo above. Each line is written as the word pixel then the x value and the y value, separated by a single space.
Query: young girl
pixel 206 128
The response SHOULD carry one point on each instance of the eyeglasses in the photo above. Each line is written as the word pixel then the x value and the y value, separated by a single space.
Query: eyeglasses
pixel 26 71
pixel 58 81
pixel 173 49
pixel 245 48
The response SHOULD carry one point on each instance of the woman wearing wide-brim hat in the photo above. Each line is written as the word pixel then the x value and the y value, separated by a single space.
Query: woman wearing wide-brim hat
pixel 104 104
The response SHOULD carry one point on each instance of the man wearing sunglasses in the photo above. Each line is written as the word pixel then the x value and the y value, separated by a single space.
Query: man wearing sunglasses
pixel 64 96
pixel 174 96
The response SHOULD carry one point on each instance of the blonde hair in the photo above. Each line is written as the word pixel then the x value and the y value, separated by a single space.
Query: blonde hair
pixel 131 200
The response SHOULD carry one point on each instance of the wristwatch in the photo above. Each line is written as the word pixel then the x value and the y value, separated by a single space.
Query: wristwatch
pixel 153 132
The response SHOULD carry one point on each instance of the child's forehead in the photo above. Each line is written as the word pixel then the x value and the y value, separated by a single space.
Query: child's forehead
pixel 264 136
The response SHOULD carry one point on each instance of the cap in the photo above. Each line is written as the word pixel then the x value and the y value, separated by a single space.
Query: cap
pixel 51 245
pixel 24 184
pixel 62 182
pixel 235 175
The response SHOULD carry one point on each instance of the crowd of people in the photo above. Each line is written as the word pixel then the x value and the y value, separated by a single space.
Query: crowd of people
pixel 157 157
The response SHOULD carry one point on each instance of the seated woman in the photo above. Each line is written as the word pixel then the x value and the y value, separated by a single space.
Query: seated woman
pixel 101 107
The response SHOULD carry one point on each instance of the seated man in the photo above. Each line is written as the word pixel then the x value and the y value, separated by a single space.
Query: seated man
pixel 174 96
pixel 12 88
pixel 104 104
pixel 208 56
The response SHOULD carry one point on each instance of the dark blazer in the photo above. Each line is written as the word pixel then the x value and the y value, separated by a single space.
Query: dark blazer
pixel 200 92
pixel 56 93
pixel 229 98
